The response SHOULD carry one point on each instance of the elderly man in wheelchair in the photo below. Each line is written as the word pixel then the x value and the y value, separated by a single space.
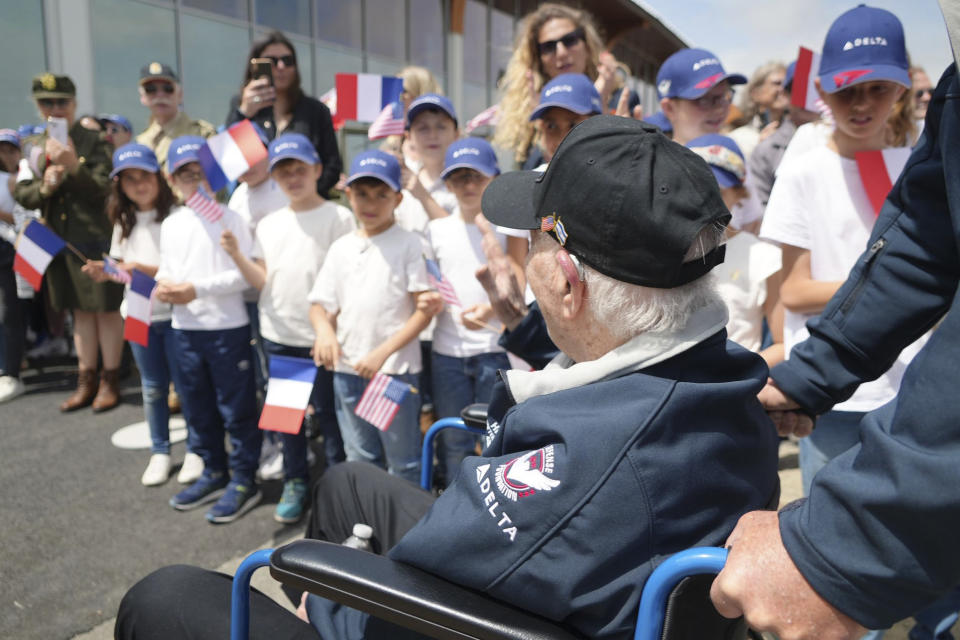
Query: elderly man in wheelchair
pixel 644 438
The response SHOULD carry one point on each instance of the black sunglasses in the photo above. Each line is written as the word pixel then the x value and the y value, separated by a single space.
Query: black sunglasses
pixel 549 47
pixel 921 92
pixel 287 60
pixel 152 87
pixel 50 103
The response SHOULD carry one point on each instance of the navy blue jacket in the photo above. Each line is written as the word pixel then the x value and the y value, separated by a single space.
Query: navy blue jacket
pixel 878 537
pixel 530 340
pixel 580 492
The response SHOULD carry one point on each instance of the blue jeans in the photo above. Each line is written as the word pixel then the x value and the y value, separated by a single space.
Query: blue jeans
pixel 458 382
pixel 835 432
pixel 218 394
pixel 157 363
pixel 321 398
pixel 397 448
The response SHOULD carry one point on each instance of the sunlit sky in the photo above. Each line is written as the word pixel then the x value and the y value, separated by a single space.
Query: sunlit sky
pixel 747 33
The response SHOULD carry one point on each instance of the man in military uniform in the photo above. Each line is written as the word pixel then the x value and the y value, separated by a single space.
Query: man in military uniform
pixel 69 187
pixel 160 91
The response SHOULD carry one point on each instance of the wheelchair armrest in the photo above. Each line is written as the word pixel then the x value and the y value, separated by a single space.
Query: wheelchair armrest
pixel 475 415
pixel 404 595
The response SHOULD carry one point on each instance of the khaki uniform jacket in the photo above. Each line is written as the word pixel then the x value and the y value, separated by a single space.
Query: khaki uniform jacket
pixel 158 137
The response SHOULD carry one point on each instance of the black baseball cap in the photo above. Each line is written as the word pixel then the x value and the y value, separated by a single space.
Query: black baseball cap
pixel 157 71
pixel 620 196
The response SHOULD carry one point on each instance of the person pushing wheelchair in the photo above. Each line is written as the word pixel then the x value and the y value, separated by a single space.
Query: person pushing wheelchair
pixel 642 438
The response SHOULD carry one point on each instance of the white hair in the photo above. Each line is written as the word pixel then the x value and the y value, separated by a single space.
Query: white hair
pixel 626 310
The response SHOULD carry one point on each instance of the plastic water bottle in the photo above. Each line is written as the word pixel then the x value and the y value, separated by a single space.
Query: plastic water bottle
pixel 360 538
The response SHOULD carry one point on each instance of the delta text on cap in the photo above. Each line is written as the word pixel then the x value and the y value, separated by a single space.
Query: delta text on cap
pixel 430 101
pixel 292 145
pixel 470 153
pixel 690 73
pixel 134 156
pixel 622 197
pixel 863 45
pixel 183 150
pixel 376 164
pixel 571 91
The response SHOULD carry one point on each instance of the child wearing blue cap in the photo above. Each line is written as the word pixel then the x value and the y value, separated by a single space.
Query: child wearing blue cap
pixel 11 221
pixel 748 279
pixel 289 248
pixel 212 334
pixel 364 312
pixel 695 93
pixel 431 128
pixel 139 202
pixel 819 211
pixel 465 356
pixel 565 102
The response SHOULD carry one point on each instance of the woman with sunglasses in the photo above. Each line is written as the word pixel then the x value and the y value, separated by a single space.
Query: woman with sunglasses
pixel 69 188
pixel 278 105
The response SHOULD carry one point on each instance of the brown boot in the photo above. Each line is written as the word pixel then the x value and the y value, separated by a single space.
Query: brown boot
pixel 108 395
pixel 86 390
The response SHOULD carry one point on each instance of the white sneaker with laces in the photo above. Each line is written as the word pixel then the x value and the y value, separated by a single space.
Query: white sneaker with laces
pixel 191 469
pixel 158 470
pixel 10 388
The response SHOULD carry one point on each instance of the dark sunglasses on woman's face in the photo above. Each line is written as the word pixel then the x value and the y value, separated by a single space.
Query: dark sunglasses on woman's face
pixel 287 60
pixel 152 87
pixel 50 103
pixel 549 47
pixel 923 92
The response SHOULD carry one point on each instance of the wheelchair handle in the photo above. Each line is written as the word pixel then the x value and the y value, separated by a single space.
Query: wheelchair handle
pixel 240 596
pixel 426 454
pixel 653 600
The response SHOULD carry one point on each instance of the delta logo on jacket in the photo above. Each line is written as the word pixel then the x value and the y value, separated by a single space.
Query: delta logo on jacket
pixel 525 475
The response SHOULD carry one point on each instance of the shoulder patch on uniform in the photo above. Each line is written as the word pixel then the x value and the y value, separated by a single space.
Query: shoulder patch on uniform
pixel 527 474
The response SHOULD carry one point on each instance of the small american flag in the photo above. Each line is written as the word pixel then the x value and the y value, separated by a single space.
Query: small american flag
pixel 390 122
pixel 112 269
pixel 205 206
pixel 381 400
pixel 441 284
pixel 488 116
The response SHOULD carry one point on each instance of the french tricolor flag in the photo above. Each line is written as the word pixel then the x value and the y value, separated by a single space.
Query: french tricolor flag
pixel 879 171
pixel 803 91
pixel 136 328
pixel 288 393
pixel 231 153
pixel 36 248
pixel 363 96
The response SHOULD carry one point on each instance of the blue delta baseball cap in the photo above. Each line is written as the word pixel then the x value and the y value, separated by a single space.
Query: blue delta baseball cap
pixel 724 157
pixel 10 137
pixel 570 91
pixel 292 145
pixel 183 150
pixel 863 45
pixel 134 156
pixel 430 101
pixel 690 73
pixel 27 130
pixel 376 164
pixel 660 121
pixel 471 153
pixel 117 119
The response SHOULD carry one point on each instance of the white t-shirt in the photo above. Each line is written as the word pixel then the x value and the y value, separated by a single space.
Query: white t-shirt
pixel 819 203
pixel 368 282
pixel 742 283
pixel 253 204
pixel 411 215
pixel 812 135
pixel 457 247
pixel 190 252
pixel 143 246
pixel 293 245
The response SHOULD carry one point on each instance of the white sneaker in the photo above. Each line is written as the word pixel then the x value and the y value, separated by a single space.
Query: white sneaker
pixel 271 468
pixel 49 348
pixel 10 388
pixel 191 469
pixel 158 470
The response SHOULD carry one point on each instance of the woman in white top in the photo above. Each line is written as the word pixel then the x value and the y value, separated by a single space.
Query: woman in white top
pixel 821 216
pixel 141 199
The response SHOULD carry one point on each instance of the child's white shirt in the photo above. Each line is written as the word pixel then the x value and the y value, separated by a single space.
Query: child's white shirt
pixel 368 282
pixel 293 245
pixel 253 204
pixel 143 246
pixel 819 203
pixel 190 252
pixel 411 215
pixel 742 283
pixel 457 247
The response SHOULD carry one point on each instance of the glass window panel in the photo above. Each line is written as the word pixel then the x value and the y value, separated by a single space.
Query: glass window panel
pixel 126 36
pixel 474 101
pixel 213 54
pixel 426 34
pixel 475 42
pixel 340 22
pixel 333 61
pixel 501 43
pixel 286 15
pixel 21 31
pixel 384 66
pixel 386 28
pixel 305 64
pixel 232 8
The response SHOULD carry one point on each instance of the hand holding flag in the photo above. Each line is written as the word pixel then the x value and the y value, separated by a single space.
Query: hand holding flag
pixel 115 272
pixel 381 400
pixel 441 284
pixel 288 393
pixel 205 206
pixel 136 328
